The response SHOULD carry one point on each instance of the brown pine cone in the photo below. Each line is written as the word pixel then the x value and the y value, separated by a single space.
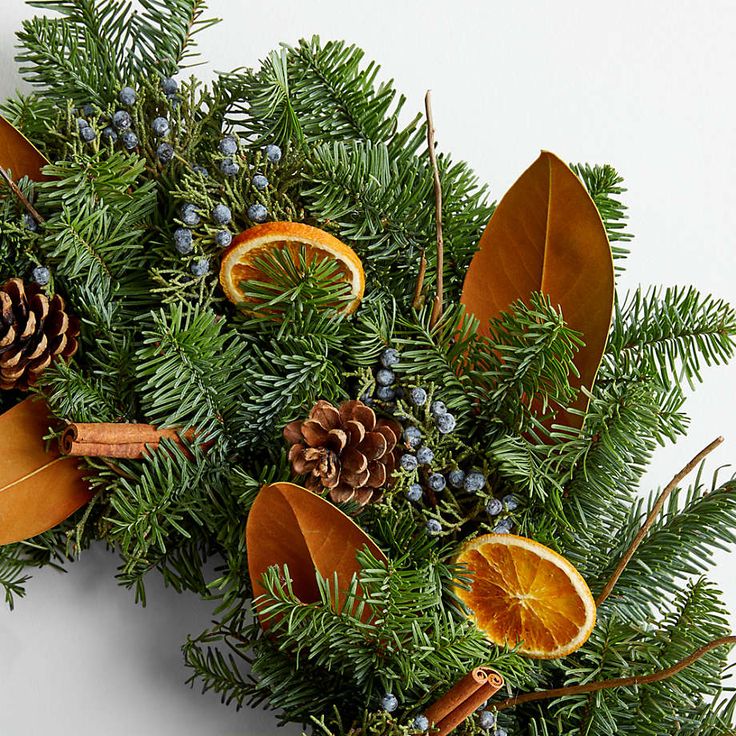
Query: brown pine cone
pixel 347 450
pixel 34 330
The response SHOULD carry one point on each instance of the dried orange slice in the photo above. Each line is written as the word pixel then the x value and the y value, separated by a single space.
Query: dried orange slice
pixel 240 261
pixel 525 593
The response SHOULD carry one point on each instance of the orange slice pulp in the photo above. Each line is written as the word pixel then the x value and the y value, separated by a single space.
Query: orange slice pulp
pixel 523 593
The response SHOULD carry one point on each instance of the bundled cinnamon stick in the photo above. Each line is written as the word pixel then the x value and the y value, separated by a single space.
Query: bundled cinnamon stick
pixel 463 700
pixel 117 440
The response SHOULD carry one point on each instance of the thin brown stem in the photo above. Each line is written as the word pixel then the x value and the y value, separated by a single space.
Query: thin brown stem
pixel 653 514
pixel 416 301
pixel 437 306
pixel 22 197
pixel 593 687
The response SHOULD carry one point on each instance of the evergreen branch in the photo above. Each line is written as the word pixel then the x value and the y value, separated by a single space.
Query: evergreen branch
pixel 12 577
pixel 636 680
pixel 668 333
pixel 319 92
pixel 190 368
pixel 653 514
pixel 182 20
pixel 674 549
pixel 525 361
pixel 217 672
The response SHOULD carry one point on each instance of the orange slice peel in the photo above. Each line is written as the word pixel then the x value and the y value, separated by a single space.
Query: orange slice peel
pixel 240 261
pixel 525 594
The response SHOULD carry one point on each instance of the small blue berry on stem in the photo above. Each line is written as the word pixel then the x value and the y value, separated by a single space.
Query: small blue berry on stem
pixel 221 214
pixel 257 213
pixel 130 140
pixel 494 507
pixel 413 436
pixel 415 492
pixel 189 215
pixel 127 96
pixel 418 396
pixel 474 481
pixel 486 720
pixel 389 357
pixel 408 462
pixel 437 482
pixel 456 478
pixel 88 134
pixel 229 167
pixel 445 423
pixel 385 377
pixel 41 275
pixel 504 526
pixel 223 238
pixel 228 145
pixel 160 126
pixel 183 240
pixel 433 526
pixel 29 223
pixel 82 124
pixel 385 393
pixel 122 120
pixel 421 723
pixel 165 152
pixel 273 153
pixel 260 182
pixel 201 267
pixel 510 502
pixel 201 170
pixel 389 702
pixel 438 408
pixel 109 135
pixel 425 455
pixel 169 86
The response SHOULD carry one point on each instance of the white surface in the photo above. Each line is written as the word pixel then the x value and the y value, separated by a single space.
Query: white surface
pixel 647 87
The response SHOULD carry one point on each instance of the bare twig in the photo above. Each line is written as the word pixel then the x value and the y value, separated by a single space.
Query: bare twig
pixel 22 197
pixel 653 514
pixel 593 687
pixel 437 306
pixel 416 302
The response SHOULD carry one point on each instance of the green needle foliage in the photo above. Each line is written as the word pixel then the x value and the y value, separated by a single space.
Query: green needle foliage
pixel 133 245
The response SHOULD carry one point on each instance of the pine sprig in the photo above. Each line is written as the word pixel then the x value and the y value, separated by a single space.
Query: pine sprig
pixel 671 333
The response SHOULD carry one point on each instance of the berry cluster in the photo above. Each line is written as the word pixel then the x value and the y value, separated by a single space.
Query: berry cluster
pixel 434 460
pixel 219 219
pixel 118 127
pixel 230 163
pixel 386 389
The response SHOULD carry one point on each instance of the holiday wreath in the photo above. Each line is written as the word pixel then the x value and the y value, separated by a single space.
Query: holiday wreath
pixel 264 323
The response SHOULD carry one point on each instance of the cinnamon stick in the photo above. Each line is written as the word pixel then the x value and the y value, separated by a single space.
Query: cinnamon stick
pixel 463 699
pixel 130 441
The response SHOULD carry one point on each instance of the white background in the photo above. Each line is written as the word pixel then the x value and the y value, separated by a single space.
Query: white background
pixel 648 87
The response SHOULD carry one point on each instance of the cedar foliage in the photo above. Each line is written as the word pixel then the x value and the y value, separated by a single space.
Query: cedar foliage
pixel 160 344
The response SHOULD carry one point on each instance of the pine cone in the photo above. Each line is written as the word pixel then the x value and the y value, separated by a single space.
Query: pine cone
pixel 345 450
pixel 34 330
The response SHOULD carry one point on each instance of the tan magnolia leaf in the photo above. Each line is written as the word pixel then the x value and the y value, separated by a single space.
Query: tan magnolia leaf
pixel 546 235
pixel 39 488
pixel 19 155
pixel 289 525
